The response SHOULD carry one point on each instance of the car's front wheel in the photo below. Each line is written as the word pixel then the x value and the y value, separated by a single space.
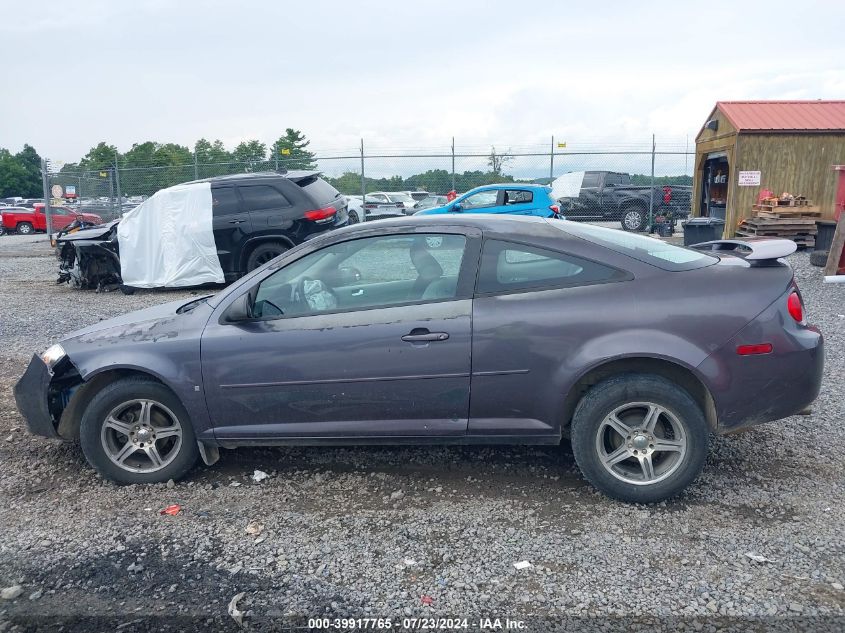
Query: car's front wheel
pixel 639 438
pixel 633 219
pixel 353 217
pixel 136 431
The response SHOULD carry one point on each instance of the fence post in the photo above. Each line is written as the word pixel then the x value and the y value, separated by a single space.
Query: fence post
pixel 276 155
pixel 651 195
pixel 453 163
pixel 45 183
pixel 196 166
pixel 552 161
pixel 117 182
pixel 363 187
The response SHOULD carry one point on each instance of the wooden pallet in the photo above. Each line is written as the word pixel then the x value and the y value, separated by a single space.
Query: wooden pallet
pixel 790 212
pixel 780 204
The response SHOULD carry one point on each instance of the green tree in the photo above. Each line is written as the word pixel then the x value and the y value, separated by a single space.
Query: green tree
pixel 99 157
pixel 15 179
pixel 251 152
pixel 291 151
pixel 212 158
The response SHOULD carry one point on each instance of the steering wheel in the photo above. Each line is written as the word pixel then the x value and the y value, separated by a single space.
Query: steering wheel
pixel 303 297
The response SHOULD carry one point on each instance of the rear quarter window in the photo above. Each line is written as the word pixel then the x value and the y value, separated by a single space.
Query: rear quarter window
pixel 319 190
pixel 645 249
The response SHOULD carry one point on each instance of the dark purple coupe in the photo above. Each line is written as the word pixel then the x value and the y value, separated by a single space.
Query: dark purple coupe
pixel 455 330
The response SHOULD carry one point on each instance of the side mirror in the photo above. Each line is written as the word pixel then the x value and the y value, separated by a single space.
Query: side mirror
pixel 239 310
pixel 456 208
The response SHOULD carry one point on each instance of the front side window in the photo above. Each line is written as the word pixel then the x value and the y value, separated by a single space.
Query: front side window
pixel 480 200
pixel 364 273
pixel 507 266
pixel 258 197
pixel 591 179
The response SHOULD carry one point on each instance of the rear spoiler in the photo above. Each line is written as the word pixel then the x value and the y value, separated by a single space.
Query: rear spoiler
pixel 753 249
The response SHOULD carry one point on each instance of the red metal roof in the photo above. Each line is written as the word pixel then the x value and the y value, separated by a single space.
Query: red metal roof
pixel 813 116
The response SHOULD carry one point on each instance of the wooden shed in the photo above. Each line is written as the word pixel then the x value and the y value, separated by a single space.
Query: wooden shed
pixel 784 146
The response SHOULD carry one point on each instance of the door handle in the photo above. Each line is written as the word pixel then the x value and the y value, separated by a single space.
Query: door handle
pixel 356 293
pixel 236 221
pixel 425 337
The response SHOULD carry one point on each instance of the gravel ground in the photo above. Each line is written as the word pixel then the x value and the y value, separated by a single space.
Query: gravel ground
pixel 376 532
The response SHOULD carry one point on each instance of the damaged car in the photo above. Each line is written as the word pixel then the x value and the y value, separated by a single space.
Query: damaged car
pixel 208 231
pixel 450 329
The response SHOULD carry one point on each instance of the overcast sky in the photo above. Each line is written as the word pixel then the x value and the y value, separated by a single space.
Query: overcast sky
pixel 401 74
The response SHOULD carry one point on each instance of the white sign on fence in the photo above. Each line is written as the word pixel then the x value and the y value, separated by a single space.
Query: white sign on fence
pixel 749 179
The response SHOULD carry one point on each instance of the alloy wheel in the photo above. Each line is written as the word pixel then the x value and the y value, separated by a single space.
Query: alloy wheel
pixel 641 443
pixel 141 436
pixel 633 220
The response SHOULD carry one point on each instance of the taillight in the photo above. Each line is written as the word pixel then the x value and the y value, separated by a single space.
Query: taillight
pixel 554 208
pixel 757 348
pixel 321 215
pixel 794 307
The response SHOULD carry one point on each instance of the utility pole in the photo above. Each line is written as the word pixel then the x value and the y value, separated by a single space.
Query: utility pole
pixel 651 195
pixel 45 183
pixel 117 183
pixel 453 163
pixel 363 186
pixel 552 161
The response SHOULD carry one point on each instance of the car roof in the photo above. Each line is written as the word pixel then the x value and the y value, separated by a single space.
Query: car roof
pixel 516 224
pixel 513 185
pixel 294 175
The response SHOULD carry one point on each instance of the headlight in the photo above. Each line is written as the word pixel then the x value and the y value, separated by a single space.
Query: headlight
pixel 53 355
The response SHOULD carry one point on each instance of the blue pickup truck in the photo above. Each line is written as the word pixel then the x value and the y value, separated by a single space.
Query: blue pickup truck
pixel 510 198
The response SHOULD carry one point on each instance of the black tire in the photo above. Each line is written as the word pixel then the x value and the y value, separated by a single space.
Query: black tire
pixel 819 258
pixel 24 228
pixel 117 394
pixel 590 430
pixel 353 217
pixel 634 219
pixel 127 290
pixel 263 253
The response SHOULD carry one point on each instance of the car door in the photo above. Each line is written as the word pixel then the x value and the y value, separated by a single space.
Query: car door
pixel 231 224
pixel 270 211
pixel 368 337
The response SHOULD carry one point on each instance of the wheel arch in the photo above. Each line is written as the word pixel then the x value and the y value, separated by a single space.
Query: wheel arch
pixel 673 370
pixel 255 242
pixel 71 416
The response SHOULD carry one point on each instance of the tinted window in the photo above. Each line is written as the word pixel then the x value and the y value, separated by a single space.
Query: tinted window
pixel 645 249
pixel 365 273
pixel 507 266
pixel 518 196
pixel 262 197
pixel 224 201
pixel 591 179
pixel 319 190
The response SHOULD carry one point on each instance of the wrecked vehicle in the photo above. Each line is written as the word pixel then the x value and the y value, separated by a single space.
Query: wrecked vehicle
pixel 448 329
pixel 203 232
pixel 88 258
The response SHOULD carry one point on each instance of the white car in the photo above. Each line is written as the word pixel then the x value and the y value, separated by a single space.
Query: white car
pixel 385 204
pixel 355 209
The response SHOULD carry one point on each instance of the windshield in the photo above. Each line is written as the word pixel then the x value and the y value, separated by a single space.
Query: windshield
pixel 645 249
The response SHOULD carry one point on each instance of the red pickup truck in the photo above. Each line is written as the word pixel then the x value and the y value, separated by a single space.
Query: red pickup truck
pixel 25 221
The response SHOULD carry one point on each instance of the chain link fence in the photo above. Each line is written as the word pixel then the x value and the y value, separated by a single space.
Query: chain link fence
pixel 115 186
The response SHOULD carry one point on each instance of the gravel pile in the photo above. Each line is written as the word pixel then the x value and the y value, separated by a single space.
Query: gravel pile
pixel 414 532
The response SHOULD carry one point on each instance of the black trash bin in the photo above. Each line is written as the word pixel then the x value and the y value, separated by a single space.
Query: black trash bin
pixel 824 234
pixel 698 230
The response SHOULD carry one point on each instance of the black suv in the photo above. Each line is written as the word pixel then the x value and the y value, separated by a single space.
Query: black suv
pixel 257 217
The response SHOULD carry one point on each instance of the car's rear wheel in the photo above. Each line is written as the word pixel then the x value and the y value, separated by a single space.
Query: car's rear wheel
pixel 263 253
pixel 137 431
pixel 353 217
pixel 639 438
pixel 633 219
pixel 24 228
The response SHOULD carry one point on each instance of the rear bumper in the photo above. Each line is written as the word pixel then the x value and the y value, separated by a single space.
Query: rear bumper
pixel 751 390
pixel 31 393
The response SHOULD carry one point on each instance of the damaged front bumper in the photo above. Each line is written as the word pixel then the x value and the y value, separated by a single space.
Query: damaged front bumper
pixel 32 396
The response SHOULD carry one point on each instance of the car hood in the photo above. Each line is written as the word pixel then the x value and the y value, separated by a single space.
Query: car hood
pixel 94 233
pixel 147 324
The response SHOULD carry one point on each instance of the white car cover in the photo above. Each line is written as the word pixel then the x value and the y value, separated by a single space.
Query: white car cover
pixel 168 240
pixel 568 185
